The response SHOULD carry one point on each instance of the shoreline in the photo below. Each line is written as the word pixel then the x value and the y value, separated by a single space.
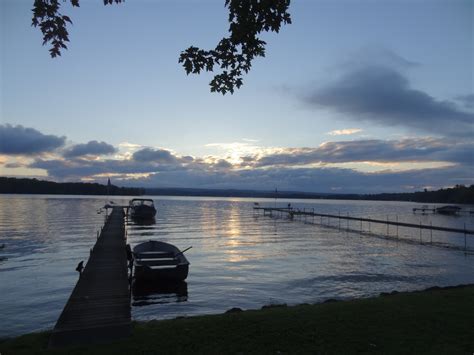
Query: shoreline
pixel 436 319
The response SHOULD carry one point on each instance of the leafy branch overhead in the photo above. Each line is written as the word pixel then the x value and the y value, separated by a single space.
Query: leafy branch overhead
pixel 233 55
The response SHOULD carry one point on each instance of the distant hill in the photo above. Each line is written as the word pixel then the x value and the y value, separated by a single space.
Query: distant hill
pixel 232 193
pixel 34 186
pixel 458 194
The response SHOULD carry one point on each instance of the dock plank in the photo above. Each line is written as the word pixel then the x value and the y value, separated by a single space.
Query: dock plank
pixel 98 309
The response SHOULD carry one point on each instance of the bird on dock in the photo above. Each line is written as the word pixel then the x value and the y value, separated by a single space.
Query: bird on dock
pixel 80 267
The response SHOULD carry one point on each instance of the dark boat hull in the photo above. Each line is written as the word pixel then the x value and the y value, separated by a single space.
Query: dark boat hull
pixel 142 212
pixel 174 274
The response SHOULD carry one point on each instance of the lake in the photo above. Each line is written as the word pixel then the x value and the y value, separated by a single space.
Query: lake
pixel 239 257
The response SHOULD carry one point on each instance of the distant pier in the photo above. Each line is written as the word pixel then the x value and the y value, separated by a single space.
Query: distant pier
pixel 304 213
pixel 98 309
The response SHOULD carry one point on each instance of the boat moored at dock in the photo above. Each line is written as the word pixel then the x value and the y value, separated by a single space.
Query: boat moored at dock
pixel 142 208
pixel 159 261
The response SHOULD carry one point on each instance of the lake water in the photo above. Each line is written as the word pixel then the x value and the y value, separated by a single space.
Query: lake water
pixel 239 257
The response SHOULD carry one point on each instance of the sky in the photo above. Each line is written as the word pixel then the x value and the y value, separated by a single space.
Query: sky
pixel 353 97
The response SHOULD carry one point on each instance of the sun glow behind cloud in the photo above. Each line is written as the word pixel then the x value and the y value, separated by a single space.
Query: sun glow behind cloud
pixel 235 151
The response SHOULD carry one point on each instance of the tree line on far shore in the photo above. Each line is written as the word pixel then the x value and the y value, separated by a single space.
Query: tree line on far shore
pixel 35 186
pixel 457 194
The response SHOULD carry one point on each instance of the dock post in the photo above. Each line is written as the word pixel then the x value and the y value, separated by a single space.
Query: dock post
pixel 397 225
pixel 465 240
pixel 431 232
pixel 421 242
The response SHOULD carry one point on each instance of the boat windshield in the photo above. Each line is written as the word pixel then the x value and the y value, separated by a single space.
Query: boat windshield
pixel 140 202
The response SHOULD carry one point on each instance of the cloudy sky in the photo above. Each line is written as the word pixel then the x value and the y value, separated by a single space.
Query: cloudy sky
pixel 353 96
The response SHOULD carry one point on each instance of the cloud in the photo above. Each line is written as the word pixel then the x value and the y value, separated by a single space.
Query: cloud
pixel 222 164
pixel 154 155
pixel 344 132
pixel 466 100
pixel 287 168
pixel 90 148
pixel 380 56
pixel 19 140
pixel 312 179
pixel 14 165
pixel 383 96
pixel 405 150
pixel 144 161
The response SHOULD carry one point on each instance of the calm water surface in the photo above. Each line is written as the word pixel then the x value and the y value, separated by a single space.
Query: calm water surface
pixel 239 258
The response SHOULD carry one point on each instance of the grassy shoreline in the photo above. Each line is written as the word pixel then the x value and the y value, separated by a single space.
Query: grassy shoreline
pixel 434 321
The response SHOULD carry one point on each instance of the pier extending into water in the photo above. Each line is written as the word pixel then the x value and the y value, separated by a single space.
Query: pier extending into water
pixel 291 213
pixel 98 309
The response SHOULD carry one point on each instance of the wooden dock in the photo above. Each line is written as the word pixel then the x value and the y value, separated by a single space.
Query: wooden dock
pixel 98 309
pixel 297 212
pixel 304 213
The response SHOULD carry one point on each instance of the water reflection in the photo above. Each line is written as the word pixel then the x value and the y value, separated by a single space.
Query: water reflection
pixel 145 294
pixel 143 221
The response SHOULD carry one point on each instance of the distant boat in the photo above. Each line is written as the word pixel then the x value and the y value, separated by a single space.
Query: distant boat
pixel 159 261
pixel 448 210
pixel 142 208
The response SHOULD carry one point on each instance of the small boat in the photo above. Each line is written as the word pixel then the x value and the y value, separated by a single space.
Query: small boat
pixel 159 261
pixel 142 208
pixel 448 210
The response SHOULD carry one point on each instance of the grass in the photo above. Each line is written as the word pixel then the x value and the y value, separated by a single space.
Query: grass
pixel 437 321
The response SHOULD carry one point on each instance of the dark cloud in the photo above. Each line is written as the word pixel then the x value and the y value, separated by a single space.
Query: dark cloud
pixel 466 100
pixel 79 168
pixel 154 155
pixel 313 179
pixel 205 175
pixel 187 159
pixel 383 96
pixel 19 140
pixel 222 164
pixel 406 150
pixel 90 148
pixel 14 165
pixel 145 161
